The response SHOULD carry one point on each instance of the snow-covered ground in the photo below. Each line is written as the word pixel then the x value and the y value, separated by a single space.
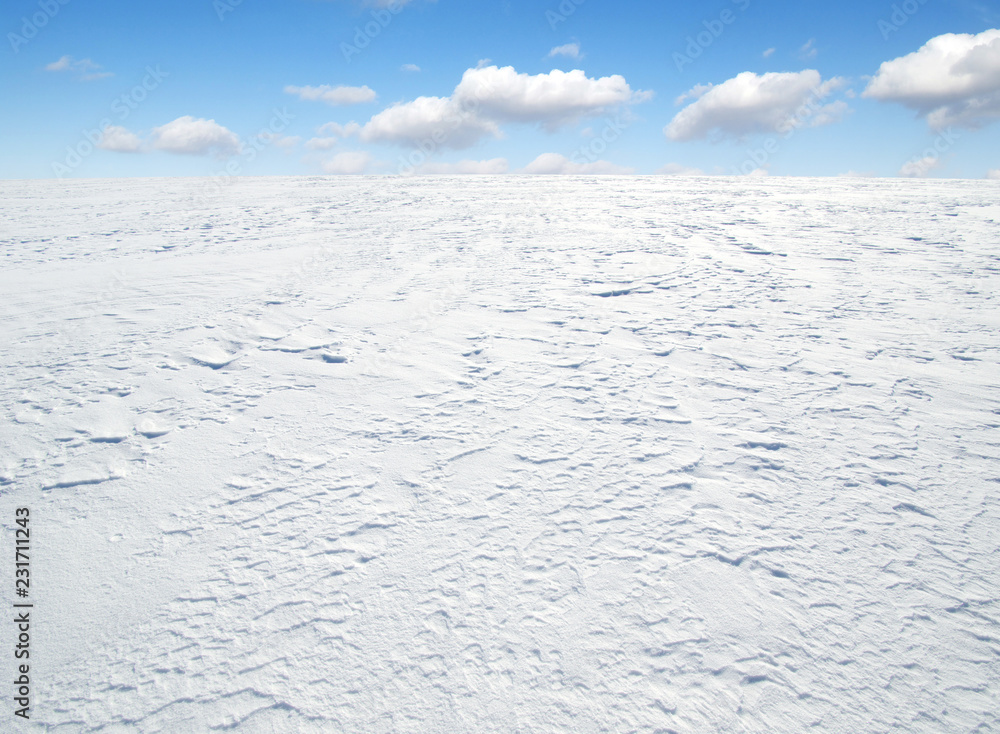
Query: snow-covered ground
pixel 504 454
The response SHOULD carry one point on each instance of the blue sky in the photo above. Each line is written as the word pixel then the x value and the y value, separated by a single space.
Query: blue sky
pixel 257 87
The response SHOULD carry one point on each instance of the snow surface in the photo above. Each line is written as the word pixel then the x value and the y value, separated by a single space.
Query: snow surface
pixel 505 454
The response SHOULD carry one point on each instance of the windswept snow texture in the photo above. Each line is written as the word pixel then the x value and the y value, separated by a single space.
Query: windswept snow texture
pixel 505 454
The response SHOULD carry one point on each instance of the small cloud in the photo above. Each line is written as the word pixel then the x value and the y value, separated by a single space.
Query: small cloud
pixel 993 174
pixel 286 142
pixel 570 50
pixel 322 143
pixel 338 130
pixel 920 167
pixel 759 172
pixel 676 169
pixel 119 140
pixel 194 136
pixel 86 69
pixel 63 64
pixel 548 164
pixel 856 174
pixel 333 95
pixel 808 50
pixel 413 68
pixel 348 163
pixel 767 54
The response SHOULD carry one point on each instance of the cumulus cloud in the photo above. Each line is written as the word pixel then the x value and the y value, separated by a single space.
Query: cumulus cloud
pixel 488 96
pixel 492 167
pixel 920 167
pixel 437 119
pixel 554 163
pixel 553 99
pixel 571 50
pixel 748 103
pixel 953 79
pixel 85 68
pixel 336 96
pixel 993 174
pixel 349 162
pixel 119 140
pixel 195 136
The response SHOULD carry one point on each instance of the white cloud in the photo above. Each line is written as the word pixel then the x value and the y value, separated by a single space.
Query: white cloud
pixel 697 91
pixel 856 174
pixel 322 143
pixel 338 130
pixel 350 162
pixel 808 49
pixel 119 140
pixel 488 96
pixel 194 136
pixel 953 79
pixel 287 142
pixel 571 50
pixel 63 64
pixel 553 99
pixel 333 95
pixel 748 103
pixel 993 174
pixel 676 169
pixel 553 163
pixel 87 69
pixel 410 67
pixel 492 167
pixel 920 167
pixel 768 52
pixel 439 120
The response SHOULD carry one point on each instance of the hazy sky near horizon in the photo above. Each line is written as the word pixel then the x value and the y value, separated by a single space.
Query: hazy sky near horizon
pixel 257 87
